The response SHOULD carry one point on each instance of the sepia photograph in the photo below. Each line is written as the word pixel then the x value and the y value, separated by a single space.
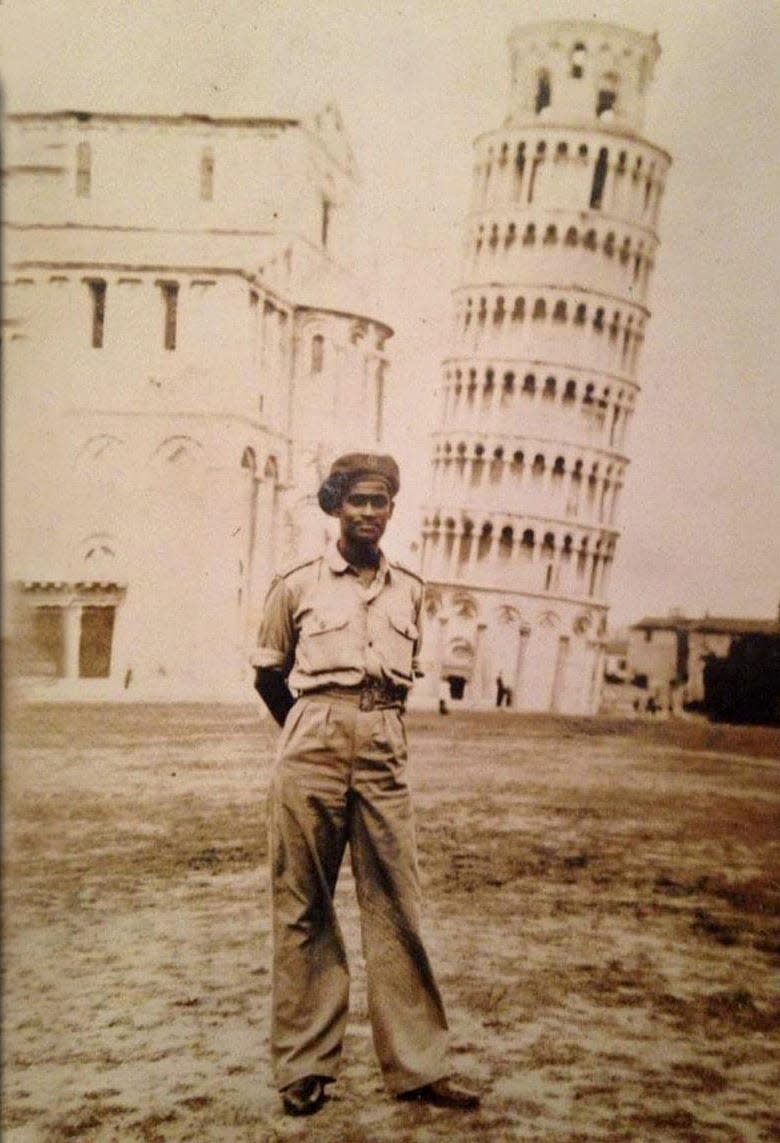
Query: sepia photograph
pixel 391 571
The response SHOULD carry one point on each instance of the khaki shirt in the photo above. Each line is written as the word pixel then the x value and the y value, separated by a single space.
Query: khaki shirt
pixel 321 627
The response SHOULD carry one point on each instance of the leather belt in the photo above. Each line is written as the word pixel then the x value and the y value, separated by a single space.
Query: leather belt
pixel 371 694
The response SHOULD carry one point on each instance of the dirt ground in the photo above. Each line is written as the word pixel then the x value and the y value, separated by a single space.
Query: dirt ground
pixel 602 908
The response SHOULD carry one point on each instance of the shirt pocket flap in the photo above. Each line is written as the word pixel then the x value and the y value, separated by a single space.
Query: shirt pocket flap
pixel 403 625
pixel 325 622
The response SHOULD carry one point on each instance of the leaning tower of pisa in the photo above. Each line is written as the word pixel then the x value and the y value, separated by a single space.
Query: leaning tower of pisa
pixel 541 382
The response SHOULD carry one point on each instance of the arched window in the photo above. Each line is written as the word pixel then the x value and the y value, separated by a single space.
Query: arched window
pixel 494 236
pixel 498 453
pixel 489 379
pixel 549 389
pixel 498 312
pixel 580 314
pixel 528 538
pixel 577 60
pixel 598 319
pixel 518 458
pixel 567 543
pixel 480 237
pixel 520 158
pixel 462 448
pixel 550 236
pixel 529 383
pixel 83 169
pixel 609 244
pixel 540 310
pixel 548 544
pixel 562 150
pixel 559 313
pixel 627 332
pixel 511 235
pixel 577 471
pixel 605 102
pixel 543 92
pixel 317 353
pixel 588 398
pixel 518 310
pixel 529 237
pixel 97 292
pixel 509 383
pixel 589 241
pixel 538 465
pixel 559 468
pixel 482 313
pixel 571 236
pixel 479 451
pixel 207 174
pixel 638 260
pixel 599 179
pixel 506 540
pixel 570 392
pixel 483 545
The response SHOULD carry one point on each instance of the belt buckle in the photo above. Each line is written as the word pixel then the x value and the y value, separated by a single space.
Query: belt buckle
pixel 367 699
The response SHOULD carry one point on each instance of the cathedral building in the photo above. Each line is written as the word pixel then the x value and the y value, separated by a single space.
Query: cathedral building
pixel 184 354
pixel 541 383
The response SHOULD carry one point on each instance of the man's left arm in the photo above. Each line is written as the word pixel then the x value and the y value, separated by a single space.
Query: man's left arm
pixel 417 673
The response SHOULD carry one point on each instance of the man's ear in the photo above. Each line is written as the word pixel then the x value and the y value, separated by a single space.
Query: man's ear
pixel 392 509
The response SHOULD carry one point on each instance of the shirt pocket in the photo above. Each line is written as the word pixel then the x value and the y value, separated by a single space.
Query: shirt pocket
pixel 403 636
pixel 325 643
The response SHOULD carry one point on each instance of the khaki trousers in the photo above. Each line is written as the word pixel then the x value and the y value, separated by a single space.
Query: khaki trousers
pixel 340 777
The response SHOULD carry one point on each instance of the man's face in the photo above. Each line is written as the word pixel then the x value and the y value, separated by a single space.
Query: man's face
pixel 364 511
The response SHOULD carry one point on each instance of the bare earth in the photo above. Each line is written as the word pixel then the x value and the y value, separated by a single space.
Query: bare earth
pixel 602 907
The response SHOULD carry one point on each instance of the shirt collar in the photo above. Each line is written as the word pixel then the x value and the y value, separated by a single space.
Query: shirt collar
pixel 338 565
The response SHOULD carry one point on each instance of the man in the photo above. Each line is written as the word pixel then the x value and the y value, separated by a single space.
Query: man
pixel 341 632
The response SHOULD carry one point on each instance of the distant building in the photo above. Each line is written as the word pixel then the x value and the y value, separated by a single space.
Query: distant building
pixel 184 354
pixel 668 654
pixel 616 660
pixel 539 389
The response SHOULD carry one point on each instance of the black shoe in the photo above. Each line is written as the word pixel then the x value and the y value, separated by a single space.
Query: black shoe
pixel 304 1096
pixel 444 1093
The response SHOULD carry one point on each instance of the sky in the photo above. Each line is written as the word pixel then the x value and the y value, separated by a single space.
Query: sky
pixel 415 83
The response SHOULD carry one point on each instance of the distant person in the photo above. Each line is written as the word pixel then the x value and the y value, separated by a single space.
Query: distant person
pixel 503 693
pixel 444 694
pixel 337 654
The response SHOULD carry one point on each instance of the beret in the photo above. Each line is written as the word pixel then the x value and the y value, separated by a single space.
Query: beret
pixel 356 466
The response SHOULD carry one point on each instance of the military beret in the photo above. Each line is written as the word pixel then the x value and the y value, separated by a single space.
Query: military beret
pixel 356 466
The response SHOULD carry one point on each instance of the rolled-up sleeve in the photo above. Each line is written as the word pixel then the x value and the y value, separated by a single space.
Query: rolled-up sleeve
pixel 276 635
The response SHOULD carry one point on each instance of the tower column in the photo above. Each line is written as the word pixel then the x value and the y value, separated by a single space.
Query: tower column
pixel 71 630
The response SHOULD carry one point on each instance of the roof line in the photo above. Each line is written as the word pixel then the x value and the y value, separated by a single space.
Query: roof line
pixel 153 117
